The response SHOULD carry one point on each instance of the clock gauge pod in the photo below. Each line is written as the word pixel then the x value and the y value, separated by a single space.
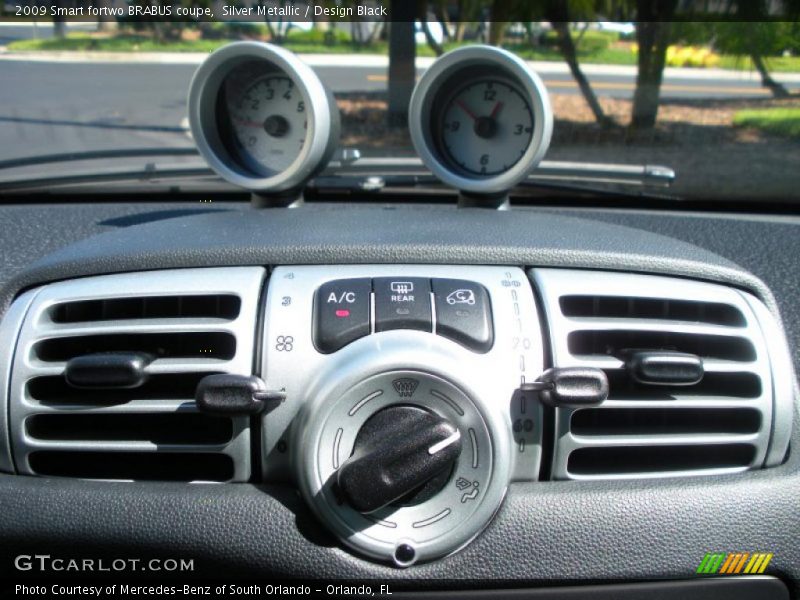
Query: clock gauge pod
pixel 480 119
pixel 261 117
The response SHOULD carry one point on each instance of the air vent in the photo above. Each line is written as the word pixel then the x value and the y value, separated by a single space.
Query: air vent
pixel 737 417
pixel 215 306
pixel 195 322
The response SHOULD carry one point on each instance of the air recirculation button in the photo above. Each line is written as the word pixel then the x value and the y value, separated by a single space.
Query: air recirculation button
pixel 463 313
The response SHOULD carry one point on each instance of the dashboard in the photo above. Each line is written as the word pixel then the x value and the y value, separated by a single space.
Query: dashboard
pixel 534 402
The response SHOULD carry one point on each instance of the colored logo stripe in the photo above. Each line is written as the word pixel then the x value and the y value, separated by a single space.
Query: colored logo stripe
pixel 711 563
pixel 740 564
pixel 758 563
pixel 734 563
pixel 731 560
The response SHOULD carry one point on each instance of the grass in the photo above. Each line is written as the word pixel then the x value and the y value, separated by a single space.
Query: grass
pixel 612 55
pixel 776 64
pixel 305 43
pixel 780 121
pixel 81 42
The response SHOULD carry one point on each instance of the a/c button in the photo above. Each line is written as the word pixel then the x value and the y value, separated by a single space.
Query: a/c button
pixel 341 313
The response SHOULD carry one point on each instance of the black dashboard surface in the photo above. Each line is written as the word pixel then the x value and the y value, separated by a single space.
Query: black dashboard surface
pixel 762 245
pixel 574 532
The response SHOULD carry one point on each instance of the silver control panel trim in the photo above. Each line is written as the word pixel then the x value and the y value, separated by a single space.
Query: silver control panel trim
pixel 315 383
pixel 516 356
pixel 244 282
pixel 771 365
pixel 9 334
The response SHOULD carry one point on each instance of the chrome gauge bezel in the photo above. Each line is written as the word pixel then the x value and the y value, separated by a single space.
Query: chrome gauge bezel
pixel 471 63
pixel 208 115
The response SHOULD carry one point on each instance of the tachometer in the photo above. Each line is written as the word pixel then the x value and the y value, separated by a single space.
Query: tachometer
pixel 269 122
pixel 480 119
pixel 261 118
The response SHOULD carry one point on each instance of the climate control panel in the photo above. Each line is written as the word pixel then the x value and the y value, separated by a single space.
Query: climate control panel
pixel 403 422
pixel 347 309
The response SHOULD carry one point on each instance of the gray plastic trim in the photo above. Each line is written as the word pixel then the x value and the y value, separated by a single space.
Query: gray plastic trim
pixel 772 404
pixel 322 116
pixel 500 62
pixel 244 282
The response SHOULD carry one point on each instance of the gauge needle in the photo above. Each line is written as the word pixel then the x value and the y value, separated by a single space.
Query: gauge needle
pixel 496 109
pixel 466 109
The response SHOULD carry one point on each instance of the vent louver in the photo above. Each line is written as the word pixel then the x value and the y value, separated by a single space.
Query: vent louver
pixel 194 322
pixel 736 418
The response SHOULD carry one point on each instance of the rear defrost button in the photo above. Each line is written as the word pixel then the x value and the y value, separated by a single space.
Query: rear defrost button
pixel 402 303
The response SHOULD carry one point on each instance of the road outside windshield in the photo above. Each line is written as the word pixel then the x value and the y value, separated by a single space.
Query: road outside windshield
pixel 717 99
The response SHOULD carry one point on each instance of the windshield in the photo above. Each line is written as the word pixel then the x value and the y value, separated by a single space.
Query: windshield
pixel 717 101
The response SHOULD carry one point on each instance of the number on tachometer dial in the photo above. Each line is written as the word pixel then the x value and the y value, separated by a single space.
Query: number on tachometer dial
pixel 269 122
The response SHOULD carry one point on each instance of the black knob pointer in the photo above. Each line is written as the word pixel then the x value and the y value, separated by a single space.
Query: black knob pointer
pixel 398 450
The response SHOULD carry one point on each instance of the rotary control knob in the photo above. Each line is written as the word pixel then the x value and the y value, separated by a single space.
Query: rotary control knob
pixel 400 453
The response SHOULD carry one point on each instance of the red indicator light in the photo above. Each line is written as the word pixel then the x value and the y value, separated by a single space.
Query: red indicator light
pixel 342 313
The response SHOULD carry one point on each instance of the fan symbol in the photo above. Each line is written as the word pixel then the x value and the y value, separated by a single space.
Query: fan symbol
pixel 284 343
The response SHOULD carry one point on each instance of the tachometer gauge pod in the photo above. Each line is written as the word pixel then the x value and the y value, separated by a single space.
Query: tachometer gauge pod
pixel 261 117
pixel 480 119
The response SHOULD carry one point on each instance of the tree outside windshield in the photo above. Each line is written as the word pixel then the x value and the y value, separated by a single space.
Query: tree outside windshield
pixel 711 90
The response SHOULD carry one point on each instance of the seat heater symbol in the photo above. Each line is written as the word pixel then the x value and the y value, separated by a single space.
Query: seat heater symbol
pixel 463 484
pixel 405 386
pixel 401 287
